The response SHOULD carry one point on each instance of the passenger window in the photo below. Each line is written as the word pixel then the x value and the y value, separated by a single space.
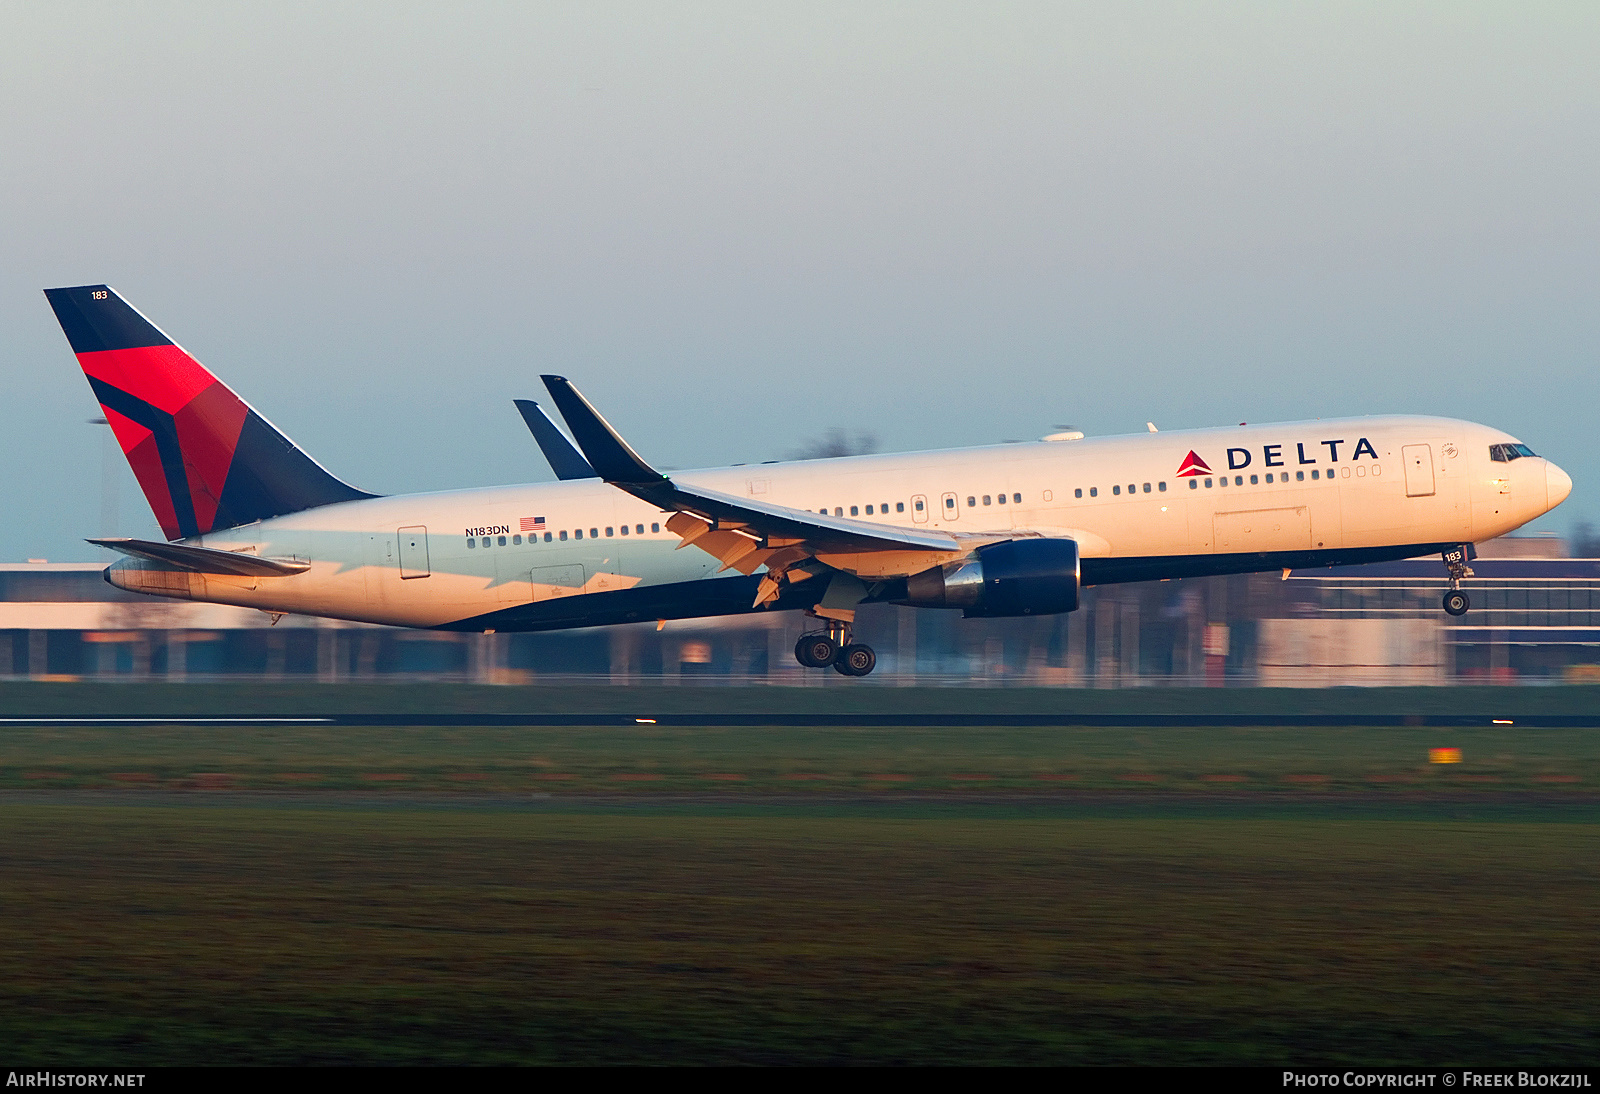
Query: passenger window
pixel 949 503
pixel 624 529
pixel 1208 483
pixel 855 511
pixel 655 527
pixel 1131 490
pixel 1000 499
pixel 1269 478
pixel 1314 475
pixel 547 536
pixel 639 528
pixel 1194 484
pixel 971 501
pixel 900 506
pixel 919 505
pixel 986 500
pixel 594 533
pixel 471 542
pixel 608 531
pixel 884 509
pixel 563 537
pixel 577 533
pixel 1222 480
pixel 1117 490
pixel 1016 499
pixel 1146 488
pixel 502 541
pixel 1299 476
pixel 1094 491
pixel 869 510
pixel 1238 480
pixel 838 510
pixel 1254 481
pixel 1078 493
pixel 516 541
pixel 1162 486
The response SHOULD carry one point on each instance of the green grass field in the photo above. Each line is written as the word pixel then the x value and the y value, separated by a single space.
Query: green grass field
pixel 653 759
pixel 22 699
pixel 181 895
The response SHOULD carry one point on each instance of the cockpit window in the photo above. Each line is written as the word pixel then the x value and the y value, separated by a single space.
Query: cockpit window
pixel 1523 450
pixel 1505 453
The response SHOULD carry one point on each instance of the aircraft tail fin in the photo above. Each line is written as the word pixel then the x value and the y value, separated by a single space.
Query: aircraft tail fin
pixel 205 459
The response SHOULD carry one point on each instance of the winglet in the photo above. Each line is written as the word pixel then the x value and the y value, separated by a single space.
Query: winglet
pixel 565 460
pixel 610 456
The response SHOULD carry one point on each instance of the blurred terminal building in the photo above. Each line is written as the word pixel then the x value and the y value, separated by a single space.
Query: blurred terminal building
pixel 1535 618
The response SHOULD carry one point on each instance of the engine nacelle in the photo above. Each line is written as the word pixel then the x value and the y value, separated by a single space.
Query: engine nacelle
pixel 1018 577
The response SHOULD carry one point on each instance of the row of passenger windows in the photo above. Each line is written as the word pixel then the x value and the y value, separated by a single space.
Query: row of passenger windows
pixel 855 510
pixel 1283 476
pixel 973 500
pixel 1222 480
pixel 1094 491
pixel 551 537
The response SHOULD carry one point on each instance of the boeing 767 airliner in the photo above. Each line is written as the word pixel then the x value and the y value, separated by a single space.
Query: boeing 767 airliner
pixel 1006 530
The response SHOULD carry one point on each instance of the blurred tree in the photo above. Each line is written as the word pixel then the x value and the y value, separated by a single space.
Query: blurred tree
pixel 1585 541
pixel 836 442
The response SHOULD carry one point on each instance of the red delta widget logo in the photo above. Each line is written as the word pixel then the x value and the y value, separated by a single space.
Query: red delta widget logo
pixel 1272 456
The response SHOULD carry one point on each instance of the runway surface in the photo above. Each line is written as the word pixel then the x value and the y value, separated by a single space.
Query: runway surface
pixel 870 721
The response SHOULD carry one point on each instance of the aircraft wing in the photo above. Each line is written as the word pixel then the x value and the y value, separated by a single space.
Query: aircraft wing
pixel 565 460
pixel 205 560
pixel 742 533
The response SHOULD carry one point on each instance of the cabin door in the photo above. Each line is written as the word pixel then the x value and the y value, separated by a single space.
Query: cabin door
pixel 414 552
pixel 1419 470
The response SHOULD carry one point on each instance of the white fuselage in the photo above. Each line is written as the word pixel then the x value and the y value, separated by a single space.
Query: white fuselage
pixel 1339 485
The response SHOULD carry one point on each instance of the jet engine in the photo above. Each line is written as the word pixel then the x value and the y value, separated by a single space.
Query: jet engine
pixel 1018 577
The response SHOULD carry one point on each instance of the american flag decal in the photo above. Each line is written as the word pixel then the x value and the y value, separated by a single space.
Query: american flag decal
pixel 532 524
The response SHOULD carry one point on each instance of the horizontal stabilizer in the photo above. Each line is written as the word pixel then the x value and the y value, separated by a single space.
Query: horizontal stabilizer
pixel 204 560
pixel 565 460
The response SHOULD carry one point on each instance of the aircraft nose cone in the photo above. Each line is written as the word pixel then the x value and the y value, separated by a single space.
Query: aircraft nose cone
pixel 1557 484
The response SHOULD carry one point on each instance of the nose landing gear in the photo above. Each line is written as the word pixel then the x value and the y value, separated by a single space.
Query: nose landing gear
pixel 1457 602
pixel 833 647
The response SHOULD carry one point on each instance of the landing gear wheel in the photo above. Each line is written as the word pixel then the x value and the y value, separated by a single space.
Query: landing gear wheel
pixel 816 651
pixel 856 660
pixel 1456 602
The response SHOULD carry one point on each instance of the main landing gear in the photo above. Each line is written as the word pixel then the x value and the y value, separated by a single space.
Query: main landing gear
pixel 833 647
pixel 1457 602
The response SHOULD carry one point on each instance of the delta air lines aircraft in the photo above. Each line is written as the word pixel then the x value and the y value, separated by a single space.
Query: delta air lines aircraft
pixel 1005 530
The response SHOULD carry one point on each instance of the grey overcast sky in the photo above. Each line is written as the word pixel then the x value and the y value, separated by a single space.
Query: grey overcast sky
pixel 735 225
